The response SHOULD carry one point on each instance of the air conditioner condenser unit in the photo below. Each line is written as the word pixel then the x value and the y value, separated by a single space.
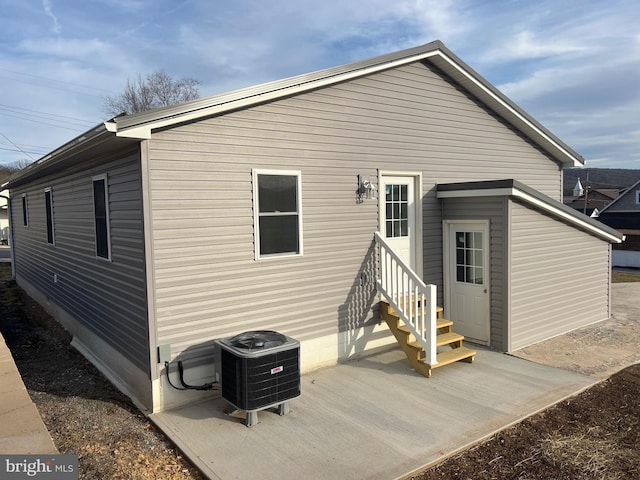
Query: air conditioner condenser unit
pixel 259 370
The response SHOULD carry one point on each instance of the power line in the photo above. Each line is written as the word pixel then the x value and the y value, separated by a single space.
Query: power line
pixel 34 146
pixel 19 149
pixel 55 80
pixel 64 89
pixel 46 123
pixel 11 107
pixel 23 151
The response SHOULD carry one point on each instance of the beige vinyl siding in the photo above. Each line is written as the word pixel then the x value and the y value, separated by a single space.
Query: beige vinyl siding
pixel 493 209
pixel 106 297
pixel 410 119
pixel 543 251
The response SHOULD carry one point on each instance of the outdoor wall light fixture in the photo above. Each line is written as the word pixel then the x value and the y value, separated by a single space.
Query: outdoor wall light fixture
pixel 366 190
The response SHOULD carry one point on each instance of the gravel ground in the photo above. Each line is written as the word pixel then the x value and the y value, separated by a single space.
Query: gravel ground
pixel 595 435
pixel 85 415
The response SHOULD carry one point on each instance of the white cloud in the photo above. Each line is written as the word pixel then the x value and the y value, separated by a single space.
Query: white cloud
pixel 48 9
pixel 570 64
pixel 525 45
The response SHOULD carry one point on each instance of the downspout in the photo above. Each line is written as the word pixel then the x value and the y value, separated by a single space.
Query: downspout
pixel 13 259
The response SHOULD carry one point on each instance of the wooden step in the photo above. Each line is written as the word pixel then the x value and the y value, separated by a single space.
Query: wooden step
pixel 414 351
pixel 439 311
pixel 440 323
pixel 461 354
pixel 454 340
pixel 443 323
pixel 448 339
pixel 455 355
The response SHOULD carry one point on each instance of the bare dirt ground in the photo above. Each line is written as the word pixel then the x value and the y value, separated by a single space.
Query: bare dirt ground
pixel 85 415
pixel 601 349
pixel 595 435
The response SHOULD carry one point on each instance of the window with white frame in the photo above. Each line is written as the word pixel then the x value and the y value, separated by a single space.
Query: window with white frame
pixel 48 203
pixel 101 216
pixel 277 213
pixel 25 211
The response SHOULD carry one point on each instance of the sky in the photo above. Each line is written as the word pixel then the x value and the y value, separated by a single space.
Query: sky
pixel 574 65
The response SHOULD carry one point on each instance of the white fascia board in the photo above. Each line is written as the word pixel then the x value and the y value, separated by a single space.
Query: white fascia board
pixel 576 162
pixel 141 133
pixel 565 216
pixel 531 200
pixel 482 192
pixel 144 130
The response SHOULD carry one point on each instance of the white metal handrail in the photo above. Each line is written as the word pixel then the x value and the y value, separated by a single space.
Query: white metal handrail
pixel 411 298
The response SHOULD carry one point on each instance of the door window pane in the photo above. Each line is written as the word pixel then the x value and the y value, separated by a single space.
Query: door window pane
pixel 397 211
pixel 470 257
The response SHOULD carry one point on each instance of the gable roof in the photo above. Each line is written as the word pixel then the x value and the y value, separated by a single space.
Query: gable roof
pixel 628 191
pixel 515 189
pixel 140 126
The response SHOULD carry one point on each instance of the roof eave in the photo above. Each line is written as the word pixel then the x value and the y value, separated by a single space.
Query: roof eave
pixel 95 136
pixel 471 80
pixel 142 124
pixel 520 191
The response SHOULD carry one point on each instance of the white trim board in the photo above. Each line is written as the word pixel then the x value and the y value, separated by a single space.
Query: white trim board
pixel 514 192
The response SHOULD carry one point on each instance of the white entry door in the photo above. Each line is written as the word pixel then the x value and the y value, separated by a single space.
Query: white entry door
pixel 467 299
pixel 398 222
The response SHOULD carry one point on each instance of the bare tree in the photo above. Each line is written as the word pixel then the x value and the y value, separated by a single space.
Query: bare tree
pixel 8 169
pixel 158 89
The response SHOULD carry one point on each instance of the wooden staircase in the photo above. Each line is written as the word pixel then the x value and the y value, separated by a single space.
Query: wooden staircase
pixel 448 342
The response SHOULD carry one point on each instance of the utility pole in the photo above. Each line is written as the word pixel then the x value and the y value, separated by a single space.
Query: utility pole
pixel 586 194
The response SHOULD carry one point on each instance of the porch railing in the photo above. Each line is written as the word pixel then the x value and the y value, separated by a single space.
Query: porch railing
pixel 410 297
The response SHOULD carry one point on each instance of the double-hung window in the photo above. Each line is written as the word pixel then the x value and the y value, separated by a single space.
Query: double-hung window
pixel 101 216
pixel 48 203
pixel 277 213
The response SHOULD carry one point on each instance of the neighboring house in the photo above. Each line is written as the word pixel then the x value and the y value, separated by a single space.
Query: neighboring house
pixel 593 201
pixel 623 214
pixel 153 234
pixel 4 218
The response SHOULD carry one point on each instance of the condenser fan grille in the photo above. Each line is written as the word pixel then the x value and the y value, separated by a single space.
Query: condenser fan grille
pixel 259 369
pixel 260 339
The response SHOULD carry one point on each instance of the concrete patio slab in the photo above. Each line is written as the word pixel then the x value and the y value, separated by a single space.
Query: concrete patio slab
pixel 372 418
